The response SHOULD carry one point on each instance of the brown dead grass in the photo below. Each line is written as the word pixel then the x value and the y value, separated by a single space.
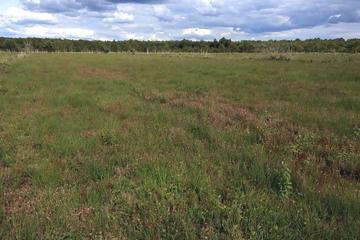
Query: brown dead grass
pixel 276 131
pixel 88 134
pixel 83 213
pixel 67 112
pixel 101 73
pixel 177 133
pixel 120 172
pixel 32 110
pixel 278 134
pixel 221 113
pixel 20 200
pixel 113 108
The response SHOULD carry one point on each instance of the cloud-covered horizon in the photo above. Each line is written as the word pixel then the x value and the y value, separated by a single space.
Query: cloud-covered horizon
pixel 174 20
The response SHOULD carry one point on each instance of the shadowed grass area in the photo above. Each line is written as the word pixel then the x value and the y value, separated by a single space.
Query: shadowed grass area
pixel 180 146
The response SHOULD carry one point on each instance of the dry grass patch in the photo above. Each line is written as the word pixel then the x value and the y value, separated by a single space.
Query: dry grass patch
pixel 88 133
pixel 102 73
pixel 83 214
pixel 32 109
pixel 275 132
pixel 67 112
pixel 221 112
pixel 116 108
pixel 20 200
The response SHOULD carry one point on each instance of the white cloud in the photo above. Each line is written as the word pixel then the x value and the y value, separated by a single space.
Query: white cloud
pixel 281 20
pixel 340 30
pixel 21 16
pixel 163 13
pixel 334 18
pixel 41 31
pixel 197 31
pixel 32 1
pixel 2 22
pixel 119 16
pixel 129 35
pixel 206 7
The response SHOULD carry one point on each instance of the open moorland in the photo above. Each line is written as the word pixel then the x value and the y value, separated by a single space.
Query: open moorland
pixel 180 146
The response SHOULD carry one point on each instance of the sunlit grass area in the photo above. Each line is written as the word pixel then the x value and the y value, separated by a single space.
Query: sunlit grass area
pixel 180 146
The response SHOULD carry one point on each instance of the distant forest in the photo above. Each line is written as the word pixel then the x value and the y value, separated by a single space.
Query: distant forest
pixel 222 45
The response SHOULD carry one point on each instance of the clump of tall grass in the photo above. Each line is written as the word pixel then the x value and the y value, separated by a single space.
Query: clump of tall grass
pixel 285 184
pixel 6 61
pixel 108 138
pixel 4 66
pixel 356 133
pixel 5 159
pixel 282 182
pixel 277 57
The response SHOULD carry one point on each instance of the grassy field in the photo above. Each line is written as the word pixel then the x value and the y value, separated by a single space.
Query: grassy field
pixel 243 146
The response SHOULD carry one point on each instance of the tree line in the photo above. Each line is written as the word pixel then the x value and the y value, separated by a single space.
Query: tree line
pixel 215 46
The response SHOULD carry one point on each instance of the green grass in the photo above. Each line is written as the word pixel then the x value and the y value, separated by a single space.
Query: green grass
pixel 180 146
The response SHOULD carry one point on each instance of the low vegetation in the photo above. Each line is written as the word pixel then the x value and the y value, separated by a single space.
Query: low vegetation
pixel 180 146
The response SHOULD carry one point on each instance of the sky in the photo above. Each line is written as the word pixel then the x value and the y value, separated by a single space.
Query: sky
pixel 180 19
